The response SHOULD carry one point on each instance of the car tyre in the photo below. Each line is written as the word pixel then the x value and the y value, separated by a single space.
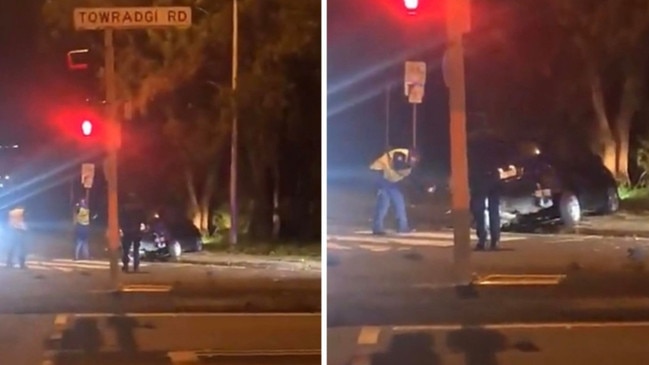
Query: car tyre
pixel 175 251
pixel 569 209
pixel 612 201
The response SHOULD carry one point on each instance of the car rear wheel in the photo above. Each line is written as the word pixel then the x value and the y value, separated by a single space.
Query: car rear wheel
pixel 569 209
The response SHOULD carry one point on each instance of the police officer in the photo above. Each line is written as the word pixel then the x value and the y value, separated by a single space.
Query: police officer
pixel 82 231
pixel 16 237
pixel 131 219
pixel 484 184
pixel 395 165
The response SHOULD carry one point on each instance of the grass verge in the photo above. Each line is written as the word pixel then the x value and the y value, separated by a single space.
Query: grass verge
pixel 307 250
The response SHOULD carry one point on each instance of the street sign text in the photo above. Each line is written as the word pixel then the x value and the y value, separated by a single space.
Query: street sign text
pixel 132 17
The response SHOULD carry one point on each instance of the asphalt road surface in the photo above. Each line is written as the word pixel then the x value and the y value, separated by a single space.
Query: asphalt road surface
pixel 54 283
pixel 160 338
pixel 530 344
pixel 404 281
pixel 59 311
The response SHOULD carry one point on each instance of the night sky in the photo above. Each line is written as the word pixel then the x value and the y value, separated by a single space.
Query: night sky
pixel 368 43
pixel 18 42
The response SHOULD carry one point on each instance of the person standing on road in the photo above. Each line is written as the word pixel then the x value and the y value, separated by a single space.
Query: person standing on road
pixel 484 185
pixel 82 231
pixel 16 237
pixel 131 219
pixel 394 165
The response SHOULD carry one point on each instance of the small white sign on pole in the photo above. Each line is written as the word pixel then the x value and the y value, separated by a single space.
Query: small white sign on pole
pixel 414 81
pixel 416 94
pixel 132 17
pixel 87 175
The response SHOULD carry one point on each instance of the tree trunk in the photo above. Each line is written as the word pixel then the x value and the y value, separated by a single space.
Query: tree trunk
pixel 261 215
pixel 628 108
pixel 194 208
pixel 605 143
pixel 206 197
pixel 276 212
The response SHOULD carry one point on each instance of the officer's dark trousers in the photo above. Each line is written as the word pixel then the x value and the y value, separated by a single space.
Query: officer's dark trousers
pixel 131 241
pixel 486 206
pixel 17 248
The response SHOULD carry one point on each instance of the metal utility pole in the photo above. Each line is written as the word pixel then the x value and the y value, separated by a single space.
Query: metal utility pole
pixel 111 159
pixel 414 125
pixel 235 129
pixel 121 18
pixel 458 23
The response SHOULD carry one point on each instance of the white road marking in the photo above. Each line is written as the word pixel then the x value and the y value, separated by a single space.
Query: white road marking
pixel 369 335
pixel 335 246
pixel 146 288
pixel 60 320
pixel 193 314
pixel 516 326
pixel 252 352
pixel 375 248
pixel 439 235
pixel 520 279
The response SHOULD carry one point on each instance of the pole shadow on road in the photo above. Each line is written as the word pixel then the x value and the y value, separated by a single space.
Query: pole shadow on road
pixel 87 337
pixel 480 347
pixel 409 348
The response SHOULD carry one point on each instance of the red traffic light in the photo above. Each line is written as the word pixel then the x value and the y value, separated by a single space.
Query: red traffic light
pixel 411 5
pixel 86 128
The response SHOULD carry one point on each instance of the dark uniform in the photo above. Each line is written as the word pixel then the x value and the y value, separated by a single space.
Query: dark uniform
pixel 484 182
pixel 131 218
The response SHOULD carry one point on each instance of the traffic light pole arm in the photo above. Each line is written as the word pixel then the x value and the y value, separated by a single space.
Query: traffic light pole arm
pixel 455 10
pixel 111 158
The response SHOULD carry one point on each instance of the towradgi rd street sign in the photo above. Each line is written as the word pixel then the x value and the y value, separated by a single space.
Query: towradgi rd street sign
pixel 132 17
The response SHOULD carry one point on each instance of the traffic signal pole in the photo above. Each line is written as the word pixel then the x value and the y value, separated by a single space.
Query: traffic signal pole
pixel 457 24
pixel 111 158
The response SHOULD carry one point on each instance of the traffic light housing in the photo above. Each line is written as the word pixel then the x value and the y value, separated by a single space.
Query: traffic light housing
pixel 78 59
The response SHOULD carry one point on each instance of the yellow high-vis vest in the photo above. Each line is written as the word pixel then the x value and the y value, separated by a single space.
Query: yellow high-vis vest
pixel 384 163
pixel 17 218
pixel 83 216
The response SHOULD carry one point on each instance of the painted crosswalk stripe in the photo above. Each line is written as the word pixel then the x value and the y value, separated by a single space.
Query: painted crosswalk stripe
pixel 438 235
pixel 69 265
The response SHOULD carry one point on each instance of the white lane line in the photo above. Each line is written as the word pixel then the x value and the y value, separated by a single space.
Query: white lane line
pixel 369 336
pixel 376 248
pixel 515 326
pixel 436 235
pixel 145 288
pixel 523 279
pixel 195 314
pixel 60 322
pixel 242 353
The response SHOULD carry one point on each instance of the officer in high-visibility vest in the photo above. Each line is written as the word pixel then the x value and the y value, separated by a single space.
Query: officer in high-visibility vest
pixel 16 237
pixel 394 165
pixel 82 231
